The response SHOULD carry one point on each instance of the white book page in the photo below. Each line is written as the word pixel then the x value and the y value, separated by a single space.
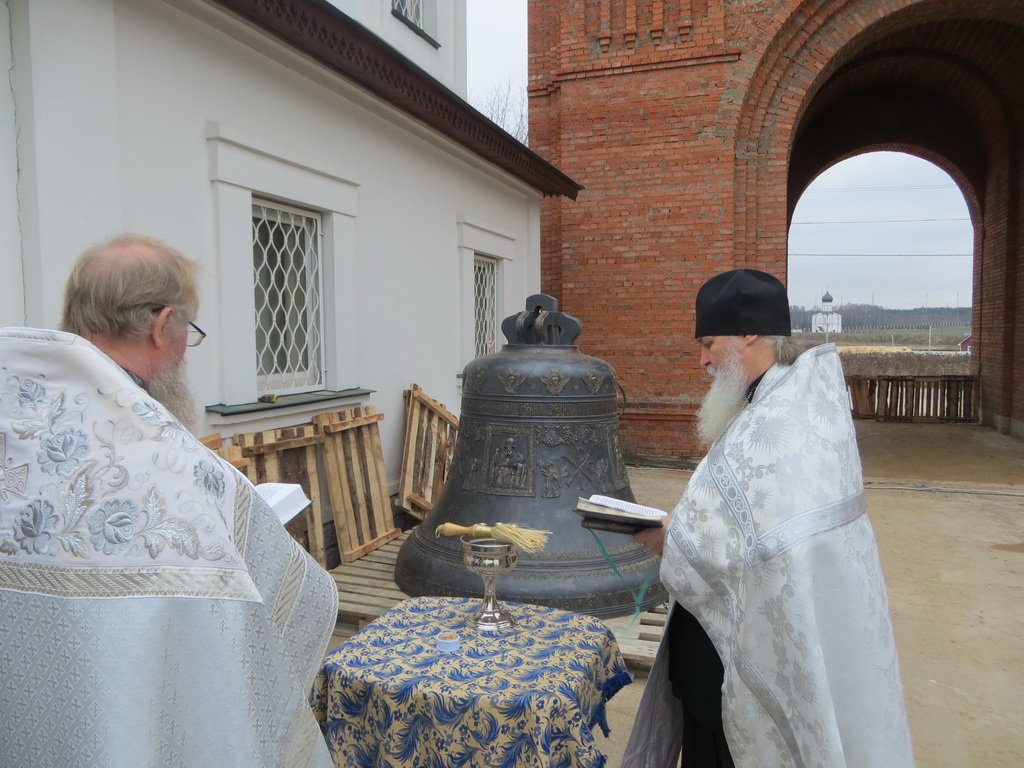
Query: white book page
pixel 627 506
pixel 286 499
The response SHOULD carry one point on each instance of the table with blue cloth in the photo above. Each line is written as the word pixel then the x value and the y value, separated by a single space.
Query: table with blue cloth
pixel 527 697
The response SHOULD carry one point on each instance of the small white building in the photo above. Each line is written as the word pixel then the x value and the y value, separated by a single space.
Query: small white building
pixel 361 227
pixel 826 319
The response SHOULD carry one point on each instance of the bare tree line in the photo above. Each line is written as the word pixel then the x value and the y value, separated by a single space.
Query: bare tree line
pixel 857 317
pixel 506 107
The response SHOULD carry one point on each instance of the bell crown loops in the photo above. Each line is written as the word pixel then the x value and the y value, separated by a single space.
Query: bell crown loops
pixel 541 323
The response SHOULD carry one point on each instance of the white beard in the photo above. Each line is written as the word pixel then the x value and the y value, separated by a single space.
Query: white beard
pixel 170 388
pixel 726 397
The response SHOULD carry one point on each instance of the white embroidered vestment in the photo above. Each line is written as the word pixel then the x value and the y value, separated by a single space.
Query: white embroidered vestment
pixel 770 548
pixel 153 611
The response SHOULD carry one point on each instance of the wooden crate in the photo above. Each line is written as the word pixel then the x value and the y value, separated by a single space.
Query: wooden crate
pixel 356 480
pixel 430 432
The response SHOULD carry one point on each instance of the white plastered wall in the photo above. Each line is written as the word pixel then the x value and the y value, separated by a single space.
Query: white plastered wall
pixel 161 93
pixel 445 21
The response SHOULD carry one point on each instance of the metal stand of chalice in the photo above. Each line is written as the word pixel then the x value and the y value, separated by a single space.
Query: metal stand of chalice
pixel 489 558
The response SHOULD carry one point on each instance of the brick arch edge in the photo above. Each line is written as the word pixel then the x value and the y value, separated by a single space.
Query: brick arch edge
pixel 779 86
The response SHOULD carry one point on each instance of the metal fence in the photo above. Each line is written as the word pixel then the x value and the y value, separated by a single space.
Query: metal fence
pixel 916 398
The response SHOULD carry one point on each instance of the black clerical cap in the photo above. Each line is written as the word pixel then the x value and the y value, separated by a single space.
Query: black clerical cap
pixel 742 301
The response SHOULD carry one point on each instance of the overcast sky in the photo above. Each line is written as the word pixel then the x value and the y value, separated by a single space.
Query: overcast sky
pixel 882 228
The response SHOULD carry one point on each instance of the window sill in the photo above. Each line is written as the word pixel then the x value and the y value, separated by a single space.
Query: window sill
pixel 285 405
pixel 418 30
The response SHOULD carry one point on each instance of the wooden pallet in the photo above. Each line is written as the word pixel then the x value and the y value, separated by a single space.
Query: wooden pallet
pixel 366 589
pixel 430 431
pixel 357 481
pixel 638 637
pixel 290 456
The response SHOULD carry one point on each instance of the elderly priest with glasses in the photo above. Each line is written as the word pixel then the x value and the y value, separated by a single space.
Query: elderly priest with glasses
pixel 155 612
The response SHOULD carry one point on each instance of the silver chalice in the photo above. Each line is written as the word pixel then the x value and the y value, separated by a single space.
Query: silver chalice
pixel 489 558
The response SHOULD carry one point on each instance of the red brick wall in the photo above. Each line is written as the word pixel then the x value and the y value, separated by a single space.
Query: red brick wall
pixel 693 127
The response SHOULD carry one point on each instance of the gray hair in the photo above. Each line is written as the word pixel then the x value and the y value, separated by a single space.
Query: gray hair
pixel 785 348
pixel 114 288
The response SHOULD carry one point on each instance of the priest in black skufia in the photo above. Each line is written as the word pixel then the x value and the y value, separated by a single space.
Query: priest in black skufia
pixel 538 429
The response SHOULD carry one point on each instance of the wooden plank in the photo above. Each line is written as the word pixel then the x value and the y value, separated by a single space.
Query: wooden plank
pixel 381 516
pixel 374 570
pixel 368 589
pixel 338 489
pixel 364 596
pixel 297 464
pixel 230 453
pixel 358 607
pixel 368 582
pixel 409 449
pixel 233 455
pixel 377 560
pixel 353 597
pixel 318 546
pixel 639 637
pixel 355 463
pixel 283 445
pixel 213 442
pixel 435 407
pixel 418 503
pixel 358 552
pixel 351 423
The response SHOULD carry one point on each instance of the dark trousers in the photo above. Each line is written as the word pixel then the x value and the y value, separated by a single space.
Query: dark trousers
pixel 696 673
pixel 704 747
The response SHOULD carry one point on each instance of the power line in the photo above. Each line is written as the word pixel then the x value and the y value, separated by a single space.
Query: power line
pixel 888 255
pixel 878 221
pixel 880 189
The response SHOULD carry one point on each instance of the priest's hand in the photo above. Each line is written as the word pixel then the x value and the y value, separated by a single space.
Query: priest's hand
pixel 654 538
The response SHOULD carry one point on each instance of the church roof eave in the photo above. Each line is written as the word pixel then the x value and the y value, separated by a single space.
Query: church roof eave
pixel 323 32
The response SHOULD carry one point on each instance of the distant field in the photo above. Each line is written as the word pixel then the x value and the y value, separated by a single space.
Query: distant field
pixel 946 337
pixel 903 352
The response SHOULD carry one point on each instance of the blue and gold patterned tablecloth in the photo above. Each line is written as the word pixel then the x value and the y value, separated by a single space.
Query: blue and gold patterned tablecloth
pixel 527 697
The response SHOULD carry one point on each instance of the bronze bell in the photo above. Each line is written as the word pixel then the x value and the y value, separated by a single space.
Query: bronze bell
pixel 538 428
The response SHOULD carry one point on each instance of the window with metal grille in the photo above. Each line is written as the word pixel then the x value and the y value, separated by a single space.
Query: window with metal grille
pixel 411 10
pixel 286 265
pixel 485 304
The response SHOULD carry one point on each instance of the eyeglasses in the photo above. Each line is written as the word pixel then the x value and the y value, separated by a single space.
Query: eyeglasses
pixel 195 335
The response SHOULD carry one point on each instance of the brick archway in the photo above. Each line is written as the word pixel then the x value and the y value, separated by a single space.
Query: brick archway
pixel 694 127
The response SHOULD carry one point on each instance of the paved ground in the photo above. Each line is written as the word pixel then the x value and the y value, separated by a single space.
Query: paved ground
pixel 947 504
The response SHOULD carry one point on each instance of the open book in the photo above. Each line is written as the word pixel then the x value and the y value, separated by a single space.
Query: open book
pixel 286 499
pixel 604 513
